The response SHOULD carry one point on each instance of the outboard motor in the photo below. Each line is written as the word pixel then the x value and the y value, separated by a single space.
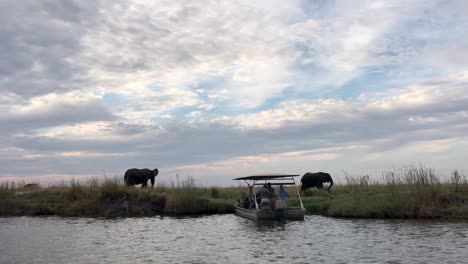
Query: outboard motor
pixel 265 203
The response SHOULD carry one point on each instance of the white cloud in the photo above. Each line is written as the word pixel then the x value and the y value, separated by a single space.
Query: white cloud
pixel 150 50
pixel 46 104
pixel 51 110
pixel 432 146
pixel 206 107
pixel 156 104
pixel 415 101
pixel 374 126
pixel 86 87
pixel 194 114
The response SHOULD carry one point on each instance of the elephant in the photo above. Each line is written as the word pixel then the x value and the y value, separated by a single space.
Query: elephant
pixel 140 176
pixel 310 180
pixel 31 186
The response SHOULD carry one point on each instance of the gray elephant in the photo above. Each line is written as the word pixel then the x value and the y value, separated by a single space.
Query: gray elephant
pixel 31 186
pixel 310 180
pixel 140 176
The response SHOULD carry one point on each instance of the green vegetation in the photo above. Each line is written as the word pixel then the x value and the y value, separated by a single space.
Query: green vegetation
pixel 110 198
pixel 409 192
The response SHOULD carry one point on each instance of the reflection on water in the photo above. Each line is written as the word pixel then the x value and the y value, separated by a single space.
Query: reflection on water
pixel 230 239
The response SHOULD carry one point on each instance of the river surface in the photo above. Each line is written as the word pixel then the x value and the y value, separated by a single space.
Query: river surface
pixel 230 239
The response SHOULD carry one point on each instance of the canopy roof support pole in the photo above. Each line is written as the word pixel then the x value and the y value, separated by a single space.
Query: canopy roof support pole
pixel 298 194
pixel 252 193
pixel 255 195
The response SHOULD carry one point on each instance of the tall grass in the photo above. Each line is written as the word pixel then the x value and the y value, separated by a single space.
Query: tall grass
pixel 110 197
pixel 407 192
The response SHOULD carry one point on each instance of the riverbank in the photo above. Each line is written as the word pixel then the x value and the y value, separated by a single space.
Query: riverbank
pixel 112 199
pixel 378 202
pixel 407 193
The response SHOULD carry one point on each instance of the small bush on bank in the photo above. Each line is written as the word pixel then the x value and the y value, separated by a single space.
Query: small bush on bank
pixel 214 192
pixel 111 190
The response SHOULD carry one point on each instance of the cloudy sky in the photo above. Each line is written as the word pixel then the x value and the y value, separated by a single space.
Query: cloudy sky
pixel 221 89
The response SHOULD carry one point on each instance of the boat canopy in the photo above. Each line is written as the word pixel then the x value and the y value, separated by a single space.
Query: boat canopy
pixel 276 178
pixel 260 177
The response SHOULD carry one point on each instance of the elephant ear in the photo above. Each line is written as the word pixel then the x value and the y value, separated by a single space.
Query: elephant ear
pixel 155 172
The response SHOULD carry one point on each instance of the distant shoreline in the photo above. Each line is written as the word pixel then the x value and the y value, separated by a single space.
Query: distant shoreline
pixel 442 201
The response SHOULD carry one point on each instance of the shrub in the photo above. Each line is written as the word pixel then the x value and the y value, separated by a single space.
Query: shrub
pixel 214 192
pixel 111 190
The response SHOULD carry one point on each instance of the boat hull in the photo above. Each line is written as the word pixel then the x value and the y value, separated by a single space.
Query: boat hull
pixel 269 215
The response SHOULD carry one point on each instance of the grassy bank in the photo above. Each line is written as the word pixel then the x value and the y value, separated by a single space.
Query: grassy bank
pixel 408 192
pixel 111 198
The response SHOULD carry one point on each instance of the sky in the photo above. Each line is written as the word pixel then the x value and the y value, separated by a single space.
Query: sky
pixel 220 89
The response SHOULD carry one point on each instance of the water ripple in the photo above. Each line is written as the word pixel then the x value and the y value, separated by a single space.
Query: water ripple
pixel 230 239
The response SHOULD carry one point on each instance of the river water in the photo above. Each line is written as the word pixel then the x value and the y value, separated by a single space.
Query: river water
pixel 230 239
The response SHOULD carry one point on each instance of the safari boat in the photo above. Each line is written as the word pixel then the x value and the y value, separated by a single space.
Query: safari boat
pixel 252 209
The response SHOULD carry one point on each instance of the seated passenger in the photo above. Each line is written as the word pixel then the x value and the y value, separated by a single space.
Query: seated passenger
pixel 264 196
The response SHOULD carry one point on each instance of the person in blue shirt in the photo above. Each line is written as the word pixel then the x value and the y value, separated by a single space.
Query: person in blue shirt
pixel 281 204
pixel 283 193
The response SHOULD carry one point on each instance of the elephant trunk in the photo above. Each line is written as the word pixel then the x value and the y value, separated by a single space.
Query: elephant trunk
pixel 331 183
pixel 155 173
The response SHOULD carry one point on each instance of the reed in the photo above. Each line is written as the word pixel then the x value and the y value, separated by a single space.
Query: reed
pixel 407 192
pixel 109 197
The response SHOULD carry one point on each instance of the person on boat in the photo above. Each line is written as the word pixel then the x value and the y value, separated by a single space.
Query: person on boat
pixel 281 204
pixel 272 196
pixel 264 195
pixel 271 190
pixel 283 194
